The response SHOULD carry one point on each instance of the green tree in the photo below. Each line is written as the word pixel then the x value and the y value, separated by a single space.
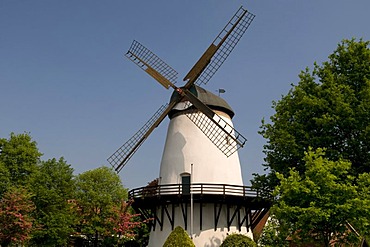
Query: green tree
pixel 54 189
pixel 99 191
pixel 329 108
pixel 5 178
pixel 363 201
pixel 178 238
pixel 142 233
pixel 320 203
pixel 238 240
pixel 16 222
pixel 19 157
pixel 124 223
pixel 271 235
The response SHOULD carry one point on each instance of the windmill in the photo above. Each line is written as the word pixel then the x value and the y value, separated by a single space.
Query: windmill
pixel 200 133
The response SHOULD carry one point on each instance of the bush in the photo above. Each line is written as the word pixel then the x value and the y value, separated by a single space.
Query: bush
pixel 238 240
pixel 178 238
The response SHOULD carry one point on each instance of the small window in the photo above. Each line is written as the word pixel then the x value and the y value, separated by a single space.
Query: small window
pixel 185 181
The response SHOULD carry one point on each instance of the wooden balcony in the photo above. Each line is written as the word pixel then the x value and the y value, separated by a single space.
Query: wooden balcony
pixel 158 201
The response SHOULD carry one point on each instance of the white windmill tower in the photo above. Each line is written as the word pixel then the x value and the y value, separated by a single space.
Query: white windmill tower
pixel 200 186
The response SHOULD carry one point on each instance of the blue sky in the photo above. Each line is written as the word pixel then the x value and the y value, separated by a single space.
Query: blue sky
pixel 64 79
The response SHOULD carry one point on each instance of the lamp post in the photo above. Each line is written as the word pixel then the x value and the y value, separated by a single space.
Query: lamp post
pixel 191 203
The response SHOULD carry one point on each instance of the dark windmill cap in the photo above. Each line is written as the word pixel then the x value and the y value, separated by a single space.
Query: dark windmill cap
pixel 211 100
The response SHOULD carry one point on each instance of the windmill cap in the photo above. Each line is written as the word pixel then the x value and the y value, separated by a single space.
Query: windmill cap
pixel 211 100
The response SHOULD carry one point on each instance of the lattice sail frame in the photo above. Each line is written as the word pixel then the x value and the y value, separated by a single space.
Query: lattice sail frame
pixel 119 158
pixel 152 64
pixel 227 139
pixel 225 42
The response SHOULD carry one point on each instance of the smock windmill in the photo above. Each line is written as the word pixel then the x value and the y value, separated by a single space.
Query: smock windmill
pixel 200 166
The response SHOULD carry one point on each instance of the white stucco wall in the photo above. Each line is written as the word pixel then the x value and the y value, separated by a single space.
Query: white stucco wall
pixel 186 144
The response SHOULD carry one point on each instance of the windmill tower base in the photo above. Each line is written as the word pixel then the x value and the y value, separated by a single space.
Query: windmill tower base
pixel 218 210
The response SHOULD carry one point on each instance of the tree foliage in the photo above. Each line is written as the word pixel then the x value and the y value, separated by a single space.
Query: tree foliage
pixel 329 108
pixel 238 240
pixel 50 182
pixel 271 236
pixel 363 189
pixel 5 178
pixel 54 188
pixel 99 191
pixel 178 238
pixel 50 197
pixel 16 223
pixel 124 223
pixel 19 157
pixel 321 203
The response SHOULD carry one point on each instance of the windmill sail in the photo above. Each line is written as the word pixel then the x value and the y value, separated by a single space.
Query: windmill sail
pixel 227 139
pixel 152 64
pixel 119 158
pixel 220 49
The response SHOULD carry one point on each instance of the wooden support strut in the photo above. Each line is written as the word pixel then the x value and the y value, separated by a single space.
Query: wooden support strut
pixel 200 215
pixel 170 217
pixel 217 214
pixel 245 219
pixel 230 220
pixel 184 211
pixel 162 214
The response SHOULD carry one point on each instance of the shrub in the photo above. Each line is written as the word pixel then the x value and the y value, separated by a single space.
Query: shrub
pixel 238 240
pixel 178 238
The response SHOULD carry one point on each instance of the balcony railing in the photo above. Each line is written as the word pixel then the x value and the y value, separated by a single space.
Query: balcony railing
pixel 195 189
